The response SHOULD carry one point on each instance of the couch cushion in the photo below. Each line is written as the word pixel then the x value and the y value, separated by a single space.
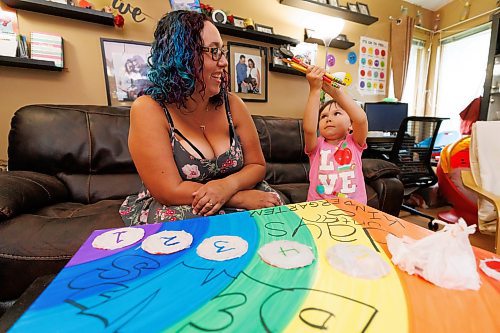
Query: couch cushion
pixel 78 141
pixel 42 243
pixel 26 191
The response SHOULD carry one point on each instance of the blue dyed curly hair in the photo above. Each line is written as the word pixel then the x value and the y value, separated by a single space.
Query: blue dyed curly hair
pixel 175 51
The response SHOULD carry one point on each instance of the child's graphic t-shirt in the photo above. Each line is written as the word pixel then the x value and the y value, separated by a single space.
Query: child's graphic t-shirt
pixel 336 171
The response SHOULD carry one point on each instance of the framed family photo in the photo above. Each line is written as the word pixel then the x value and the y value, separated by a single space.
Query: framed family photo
pixel 126 69
pixel 248 71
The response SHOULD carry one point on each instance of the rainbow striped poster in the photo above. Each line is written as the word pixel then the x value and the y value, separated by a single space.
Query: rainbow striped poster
pixel 131 290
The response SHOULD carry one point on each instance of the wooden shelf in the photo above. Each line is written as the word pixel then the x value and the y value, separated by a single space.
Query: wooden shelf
pixel 58 9
pixel 325 9
pixel 231 30
pixel 338 44
pixel 29 63
pixel 284 69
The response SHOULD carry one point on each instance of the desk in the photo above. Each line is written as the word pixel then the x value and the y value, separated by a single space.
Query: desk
pixel 131 290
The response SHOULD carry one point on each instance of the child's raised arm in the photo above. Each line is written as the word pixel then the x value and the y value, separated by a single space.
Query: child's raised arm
pixel 357 115
pixel 315 78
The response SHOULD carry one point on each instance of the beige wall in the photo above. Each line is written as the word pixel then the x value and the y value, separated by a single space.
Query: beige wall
pixel 82 82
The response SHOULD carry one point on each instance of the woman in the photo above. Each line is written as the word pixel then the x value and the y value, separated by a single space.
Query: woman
pixel 253 77
pixel 188 135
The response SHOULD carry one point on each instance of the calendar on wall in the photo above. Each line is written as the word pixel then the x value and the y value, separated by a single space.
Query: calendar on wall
pixel 372 72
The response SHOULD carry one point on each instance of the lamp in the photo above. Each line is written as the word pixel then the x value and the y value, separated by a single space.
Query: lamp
pixel 327 31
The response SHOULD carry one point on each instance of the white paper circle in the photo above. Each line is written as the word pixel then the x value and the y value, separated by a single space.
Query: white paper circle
pixel 118 238
pixel 220 248
pixel 358 261
pixel 167 242
pixel 286 254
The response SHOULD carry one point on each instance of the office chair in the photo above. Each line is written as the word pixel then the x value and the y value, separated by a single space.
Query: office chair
pixel 412 153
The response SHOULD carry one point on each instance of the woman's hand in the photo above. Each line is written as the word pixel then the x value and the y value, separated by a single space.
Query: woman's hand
pixel 315 77
pixel 209 198
pixel 256 199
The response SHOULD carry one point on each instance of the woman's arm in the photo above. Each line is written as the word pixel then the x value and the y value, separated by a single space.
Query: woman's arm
pixel 151 151
pixel 357 115
pixel 310 124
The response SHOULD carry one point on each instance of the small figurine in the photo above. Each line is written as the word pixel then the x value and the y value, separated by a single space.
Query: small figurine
pixel 84 4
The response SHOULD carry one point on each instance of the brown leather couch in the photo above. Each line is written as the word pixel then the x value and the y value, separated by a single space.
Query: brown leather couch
pixel 70 169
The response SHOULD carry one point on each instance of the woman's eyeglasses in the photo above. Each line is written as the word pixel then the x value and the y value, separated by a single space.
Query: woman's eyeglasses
pixel 216 52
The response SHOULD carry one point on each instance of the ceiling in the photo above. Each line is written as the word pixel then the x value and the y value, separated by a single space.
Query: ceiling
pixel 430 4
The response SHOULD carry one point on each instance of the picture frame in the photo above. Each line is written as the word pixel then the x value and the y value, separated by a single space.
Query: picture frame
pixel 341 37
pixel 352 7
pixel 193 5
pixel 239 22
pixel 334 3
pixel 248 71
pixel 276 57
pixel 125 65
pixel 264 28
pixel 363 8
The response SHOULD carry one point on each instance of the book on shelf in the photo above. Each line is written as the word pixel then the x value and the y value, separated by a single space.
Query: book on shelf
pixel 47 47
pixel 8 44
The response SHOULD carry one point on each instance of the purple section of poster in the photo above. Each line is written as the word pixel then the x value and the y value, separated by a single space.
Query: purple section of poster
pixel 88 253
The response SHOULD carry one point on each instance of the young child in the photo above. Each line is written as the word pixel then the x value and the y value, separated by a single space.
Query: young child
pixel 334 155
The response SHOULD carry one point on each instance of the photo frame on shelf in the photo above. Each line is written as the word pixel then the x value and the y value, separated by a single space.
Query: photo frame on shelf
pixel 264 28
pixel 193 5
pixel 363 8
pixel 125 64
pixel 276 57
pixel 248 71
pixel 352 7
pixel 341 37
pixel 334 3
pixel 238 22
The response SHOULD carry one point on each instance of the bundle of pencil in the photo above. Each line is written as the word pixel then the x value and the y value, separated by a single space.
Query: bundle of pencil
pixel 301 67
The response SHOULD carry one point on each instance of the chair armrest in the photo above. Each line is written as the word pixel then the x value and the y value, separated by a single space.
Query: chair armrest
pixel 374 169
pixel 26 191
pixel 469 182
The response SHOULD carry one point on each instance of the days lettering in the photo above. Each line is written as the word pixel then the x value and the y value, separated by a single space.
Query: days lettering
pixel 168 239
pixel 222 248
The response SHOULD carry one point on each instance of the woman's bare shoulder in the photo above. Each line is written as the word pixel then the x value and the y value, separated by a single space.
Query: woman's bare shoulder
pixel 146 106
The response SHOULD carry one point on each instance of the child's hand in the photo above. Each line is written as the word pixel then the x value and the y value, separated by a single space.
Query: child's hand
pixel 315 77
pixel 330 90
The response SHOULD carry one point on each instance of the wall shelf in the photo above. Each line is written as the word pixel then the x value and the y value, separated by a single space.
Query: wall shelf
pixel 231 30
pixel 58 9
pixel 29 63
pixel 325 9
pixel 284 69
pixel 338 44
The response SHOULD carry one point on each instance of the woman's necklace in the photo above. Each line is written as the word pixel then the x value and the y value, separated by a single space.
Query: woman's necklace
pixel 202 123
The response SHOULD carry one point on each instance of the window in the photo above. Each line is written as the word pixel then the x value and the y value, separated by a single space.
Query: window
pixel 414 90
pixel 462 71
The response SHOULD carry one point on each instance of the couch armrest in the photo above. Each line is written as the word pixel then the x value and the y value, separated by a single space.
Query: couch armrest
pixel 374 169
pixel 26 191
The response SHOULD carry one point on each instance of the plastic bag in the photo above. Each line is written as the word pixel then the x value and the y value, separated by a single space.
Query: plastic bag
pixel 444 258
pixel 358 261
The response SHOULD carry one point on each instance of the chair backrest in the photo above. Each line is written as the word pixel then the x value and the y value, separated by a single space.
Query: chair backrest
pixel 412 150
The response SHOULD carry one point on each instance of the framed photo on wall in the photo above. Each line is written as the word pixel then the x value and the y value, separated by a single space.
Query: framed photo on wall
pixel 248 71
pixel 126 69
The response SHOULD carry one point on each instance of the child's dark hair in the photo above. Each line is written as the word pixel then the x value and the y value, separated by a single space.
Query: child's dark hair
pixel 324 106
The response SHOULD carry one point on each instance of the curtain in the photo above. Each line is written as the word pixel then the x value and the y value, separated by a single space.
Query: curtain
pixel 401 39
